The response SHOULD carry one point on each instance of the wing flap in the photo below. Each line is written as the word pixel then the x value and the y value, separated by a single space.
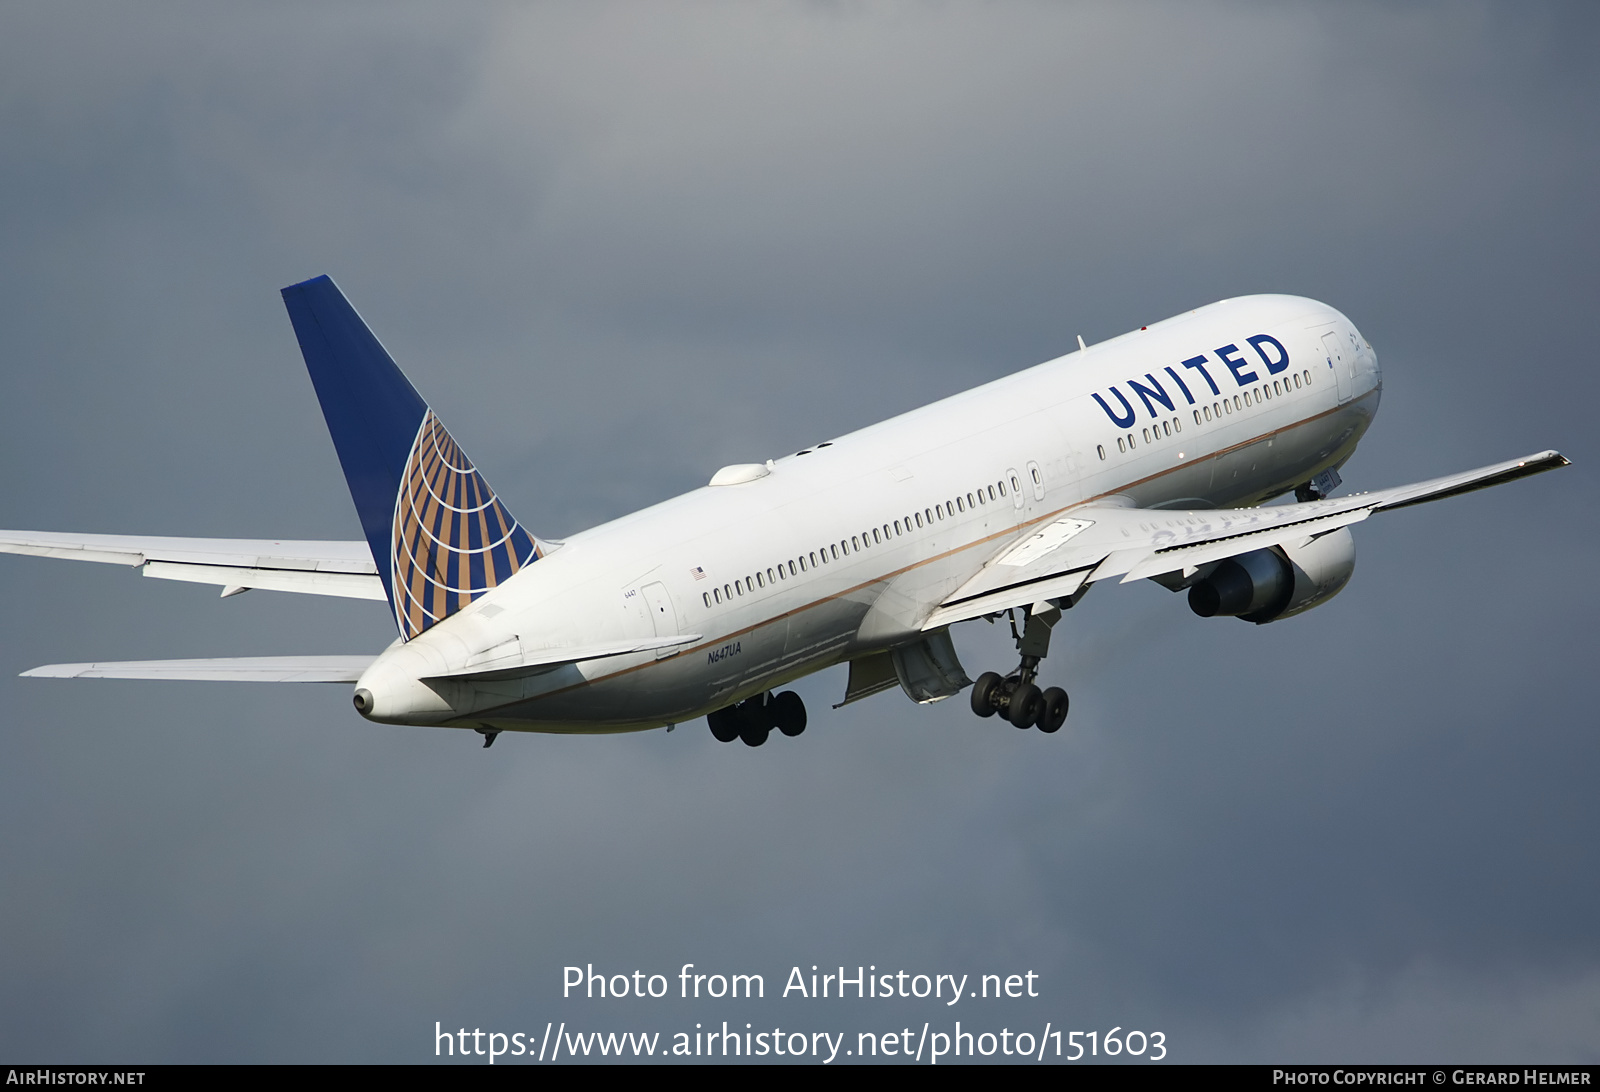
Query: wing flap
pixel 298 669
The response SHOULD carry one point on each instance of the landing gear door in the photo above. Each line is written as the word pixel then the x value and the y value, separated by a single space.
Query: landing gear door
pixel 662 615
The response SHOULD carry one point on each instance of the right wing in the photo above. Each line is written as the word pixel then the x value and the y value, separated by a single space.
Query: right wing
pixel 1096 542
pixel 238 564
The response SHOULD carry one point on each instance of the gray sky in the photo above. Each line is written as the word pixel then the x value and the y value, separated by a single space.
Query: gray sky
pixel 619 246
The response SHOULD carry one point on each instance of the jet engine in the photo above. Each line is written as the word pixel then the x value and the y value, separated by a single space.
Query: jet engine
pixel 1265 585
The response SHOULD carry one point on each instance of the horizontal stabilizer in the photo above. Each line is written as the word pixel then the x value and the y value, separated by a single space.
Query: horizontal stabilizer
pixel 310 567
pixel 301 669
pixel 1099 542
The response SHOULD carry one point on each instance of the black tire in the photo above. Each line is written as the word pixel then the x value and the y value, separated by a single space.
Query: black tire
pixel 789 713
pixel 1026 705
pixel 754 734
pixel 983 694
pixel 724 724
pixel 1054 714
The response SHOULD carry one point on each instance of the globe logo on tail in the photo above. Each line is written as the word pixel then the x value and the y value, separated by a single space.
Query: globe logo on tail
pixel 453 539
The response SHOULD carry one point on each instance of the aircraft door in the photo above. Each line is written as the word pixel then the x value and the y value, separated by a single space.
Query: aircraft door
pixel 1036 476
pixel 1338 360
pixel 662 615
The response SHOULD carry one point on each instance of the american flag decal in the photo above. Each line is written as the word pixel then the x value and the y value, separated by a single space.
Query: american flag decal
pixel 453 539
pixel 698 573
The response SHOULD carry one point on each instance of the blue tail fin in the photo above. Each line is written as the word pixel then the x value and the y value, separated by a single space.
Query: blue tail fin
pixel 439 536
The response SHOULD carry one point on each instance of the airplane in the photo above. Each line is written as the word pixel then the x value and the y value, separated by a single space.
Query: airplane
pixel 1148 456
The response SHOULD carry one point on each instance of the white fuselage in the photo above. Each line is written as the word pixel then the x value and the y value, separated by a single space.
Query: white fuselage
pixel 846 548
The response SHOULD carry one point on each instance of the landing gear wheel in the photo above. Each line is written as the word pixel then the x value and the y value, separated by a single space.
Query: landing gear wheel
pixel 755 723
pixel 724 724
pixel 1026 705
pixel 1054 713
pixel 788 713
pixel 983 693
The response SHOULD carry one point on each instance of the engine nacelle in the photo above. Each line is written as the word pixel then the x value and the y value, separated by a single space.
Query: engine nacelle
pixel 1265 585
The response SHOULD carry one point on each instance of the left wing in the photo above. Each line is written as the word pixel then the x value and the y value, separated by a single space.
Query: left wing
pixel 1097 542
pixel 316 669
pixel 238 564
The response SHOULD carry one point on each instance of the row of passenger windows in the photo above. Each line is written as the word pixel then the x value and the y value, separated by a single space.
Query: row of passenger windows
pixel 1215 411
pixel 877 536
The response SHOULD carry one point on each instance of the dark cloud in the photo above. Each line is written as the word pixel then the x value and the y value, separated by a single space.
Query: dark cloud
pixel 618 247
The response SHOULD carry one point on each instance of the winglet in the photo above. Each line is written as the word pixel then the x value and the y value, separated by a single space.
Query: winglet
pixel 439 536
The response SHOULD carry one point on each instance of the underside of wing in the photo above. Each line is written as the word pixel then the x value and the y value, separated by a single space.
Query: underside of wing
pixel 299 669
pixel 1097 542
pixel 237 564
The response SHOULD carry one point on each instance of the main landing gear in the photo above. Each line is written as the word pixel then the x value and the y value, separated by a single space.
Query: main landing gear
pixel 753 719
pixel 1015 696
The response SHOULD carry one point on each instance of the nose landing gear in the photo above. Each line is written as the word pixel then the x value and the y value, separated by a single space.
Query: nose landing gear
pixel 753 719
pixel 1015 695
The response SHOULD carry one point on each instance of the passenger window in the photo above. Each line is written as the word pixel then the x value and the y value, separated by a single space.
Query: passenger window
pixel 717 593
pixel 929 513
pixel 1122 447
pixel 1147 436
pixel 1131 444
pixel 856 542
pixel 707 597
pixel 1101 448
pixel 991 492
pixel 791 569
pixel 727 591
pixel 834 550
pixel 1197 417
pixel 738 587
pixel 1002 489
pixel 970 503
pixel 959 508
pixel 1177 425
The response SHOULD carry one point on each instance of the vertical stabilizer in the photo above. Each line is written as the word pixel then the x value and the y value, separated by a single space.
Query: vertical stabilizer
pixel 439 536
